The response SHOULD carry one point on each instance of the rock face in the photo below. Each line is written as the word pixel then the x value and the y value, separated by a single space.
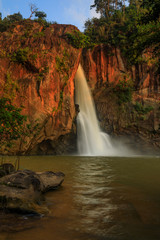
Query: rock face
pixel 104 68
pixel 21 191
pixel 37 68
pixel 104 64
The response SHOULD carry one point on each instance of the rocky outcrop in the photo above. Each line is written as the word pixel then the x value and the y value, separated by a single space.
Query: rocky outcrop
pixel 139 118
pixel 21 191
pixel 104 64
pixel 37 68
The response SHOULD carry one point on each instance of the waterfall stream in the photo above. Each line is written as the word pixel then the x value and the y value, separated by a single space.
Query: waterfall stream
pixel 91 140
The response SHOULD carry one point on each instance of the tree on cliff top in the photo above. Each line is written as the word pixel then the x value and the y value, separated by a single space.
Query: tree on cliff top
pixel 40 15
pixel 33 10
pixel 14 17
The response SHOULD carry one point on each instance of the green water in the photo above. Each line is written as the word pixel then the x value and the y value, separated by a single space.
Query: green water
pixel 101 199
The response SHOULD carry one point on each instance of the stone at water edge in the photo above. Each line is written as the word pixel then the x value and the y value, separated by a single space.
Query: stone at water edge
pixel 6 168
pixel 21 200
pixel 22 191
pixel 50 180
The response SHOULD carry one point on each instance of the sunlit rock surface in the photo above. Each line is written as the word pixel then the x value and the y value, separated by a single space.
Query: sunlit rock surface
pixel 37 69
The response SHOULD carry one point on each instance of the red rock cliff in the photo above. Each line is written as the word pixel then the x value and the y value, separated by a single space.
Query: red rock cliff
pixel 104 64
pixel 104 68
pixel 37 68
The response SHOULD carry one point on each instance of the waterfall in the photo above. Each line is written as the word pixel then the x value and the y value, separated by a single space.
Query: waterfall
pixel 91 140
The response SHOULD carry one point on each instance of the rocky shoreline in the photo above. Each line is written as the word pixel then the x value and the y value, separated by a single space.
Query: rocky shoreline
pixel 23 191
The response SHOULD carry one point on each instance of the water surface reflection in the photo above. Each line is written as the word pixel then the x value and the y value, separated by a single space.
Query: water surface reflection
pixel 101 199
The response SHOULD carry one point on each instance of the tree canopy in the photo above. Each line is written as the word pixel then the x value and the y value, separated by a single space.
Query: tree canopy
pixel 9 20
pixel 132 27
pixel 40 14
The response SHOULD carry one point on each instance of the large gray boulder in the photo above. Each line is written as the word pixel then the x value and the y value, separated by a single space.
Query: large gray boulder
pixel 22 191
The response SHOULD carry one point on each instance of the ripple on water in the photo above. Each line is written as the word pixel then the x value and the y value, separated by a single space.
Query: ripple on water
pixel 100 199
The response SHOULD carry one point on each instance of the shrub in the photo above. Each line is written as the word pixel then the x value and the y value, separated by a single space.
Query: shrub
pixel 142 109
pixel 40 14
pixel 21 56
pixel 9 21
pixel 38 35
pixel 63 64
pixel 123 91
pixel 10 87
pixel 11 122
pixel 79 40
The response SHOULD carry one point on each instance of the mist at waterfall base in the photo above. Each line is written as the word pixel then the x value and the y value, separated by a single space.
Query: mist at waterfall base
pixel 91 140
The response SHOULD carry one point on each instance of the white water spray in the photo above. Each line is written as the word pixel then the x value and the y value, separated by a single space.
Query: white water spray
pixel 91 140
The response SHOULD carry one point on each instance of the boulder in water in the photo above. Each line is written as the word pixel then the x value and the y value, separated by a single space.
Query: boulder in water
pixel 21 191
pixel 50 180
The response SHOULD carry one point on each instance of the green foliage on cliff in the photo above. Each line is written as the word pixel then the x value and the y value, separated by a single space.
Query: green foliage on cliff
pixel 63 66
pixel 11 122
pixel 63 63
pixel 10 87
pixel 61 100
pixel 14 126
pixel 142 109
pixel 21 55
pixel 79 40
pixel 38 35
pixel 123 91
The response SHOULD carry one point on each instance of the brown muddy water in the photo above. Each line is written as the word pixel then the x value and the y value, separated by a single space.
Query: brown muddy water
pixel 102 198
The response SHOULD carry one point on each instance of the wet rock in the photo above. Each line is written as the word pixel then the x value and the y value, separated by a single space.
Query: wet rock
pixel 50 180
pixel 6 168
pixel 22 191
pixel 22 179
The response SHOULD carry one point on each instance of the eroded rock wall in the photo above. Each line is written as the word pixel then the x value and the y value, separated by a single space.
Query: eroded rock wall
pixel 104 68
pixel 104 64
pixel 37 68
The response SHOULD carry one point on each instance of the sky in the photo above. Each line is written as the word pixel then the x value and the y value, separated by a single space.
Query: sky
pixel 74 12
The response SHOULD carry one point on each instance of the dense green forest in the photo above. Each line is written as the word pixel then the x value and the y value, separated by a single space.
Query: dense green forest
pixel 133 27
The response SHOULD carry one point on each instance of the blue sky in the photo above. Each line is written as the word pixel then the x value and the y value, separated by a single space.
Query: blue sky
pixel 74 12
